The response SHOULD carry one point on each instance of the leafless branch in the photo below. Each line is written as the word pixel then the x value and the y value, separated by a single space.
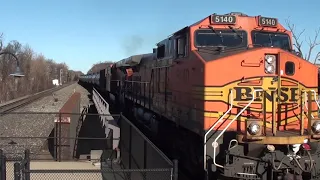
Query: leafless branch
pixel 296 36
pixel 1 41
pixel 316 58
pixel 38 70
pixel 312 42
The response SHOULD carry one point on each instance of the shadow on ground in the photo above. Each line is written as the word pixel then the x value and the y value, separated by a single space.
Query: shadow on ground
pixel 91 128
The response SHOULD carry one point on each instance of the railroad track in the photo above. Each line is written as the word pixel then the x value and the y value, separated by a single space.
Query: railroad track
pixel 20 102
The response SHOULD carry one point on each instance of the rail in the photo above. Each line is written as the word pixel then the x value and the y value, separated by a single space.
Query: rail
pixel 139 159
pixel 214 125
pixel 22 170
pixel 148 141
pixel 315 98
pixel 139 92
pixel 108 121
pixel 215 144
pixel 306 100
pixel 79 125
pixel 20 102
pixel 101 105
pixel 3 166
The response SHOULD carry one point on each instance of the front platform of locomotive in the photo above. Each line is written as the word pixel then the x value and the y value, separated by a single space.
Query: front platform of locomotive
pixel 267 125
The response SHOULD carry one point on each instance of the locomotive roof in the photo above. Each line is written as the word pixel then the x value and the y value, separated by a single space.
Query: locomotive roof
pixel 198 22
pixel 132 60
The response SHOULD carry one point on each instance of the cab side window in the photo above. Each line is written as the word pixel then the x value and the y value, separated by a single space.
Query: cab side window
pixel 181 45
pixel 161 52
pixel 289 68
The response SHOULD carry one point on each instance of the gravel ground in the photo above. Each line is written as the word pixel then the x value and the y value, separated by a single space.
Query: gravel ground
pixel 34 125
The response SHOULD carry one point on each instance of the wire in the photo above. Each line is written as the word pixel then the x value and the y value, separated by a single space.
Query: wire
pixel 273 163
pixel 233 140
pixel 311 164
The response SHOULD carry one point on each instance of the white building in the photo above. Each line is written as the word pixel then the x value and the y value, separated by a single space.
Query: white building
pixel 55 82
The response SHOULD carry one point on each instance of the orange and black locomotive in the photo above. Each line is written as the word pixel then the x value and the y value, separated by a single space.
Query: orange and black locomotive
pixel 229 95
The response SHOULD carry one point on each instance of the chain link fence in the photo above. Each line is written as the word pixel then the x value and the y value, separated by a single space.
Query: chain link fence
pixel 44 146
pixel 22 171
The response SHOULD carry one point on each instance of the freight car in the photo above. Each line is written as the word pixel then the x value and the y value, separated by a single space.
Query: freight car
pixel 229 95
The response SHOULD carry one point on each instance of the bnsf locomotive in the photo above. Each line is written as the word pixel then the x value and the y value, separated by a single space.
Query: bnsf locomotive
pixel 228 95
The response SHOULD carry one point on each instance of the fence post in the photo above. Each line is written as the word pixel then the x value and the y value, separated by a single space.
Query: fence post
pixel 55 140
pixel 3 165
pixel 175 169
pixel 27 164
pixel 17 175
pixel 60 136
pixel 130 146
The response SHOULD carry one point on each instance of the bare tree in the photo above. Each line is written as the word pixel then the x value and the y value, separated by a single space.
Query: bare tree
pixel 38 70
pixel 312 42
pixel 1 41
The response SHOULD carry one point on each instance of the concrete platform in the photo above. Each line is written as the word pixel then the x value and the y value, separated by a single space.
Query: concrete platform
pixel 58 166
pixel 62 165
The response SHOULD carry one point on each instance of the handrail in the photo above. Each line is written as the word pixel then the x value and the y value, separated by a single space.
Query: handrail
pixel 99 101
pixel 214 125
pixel 215 141
pixel 305 102
pixel 142 82
pixel 315 98
pixel 80 121
pixel 99 95
pixel 153 146
pixel 107 121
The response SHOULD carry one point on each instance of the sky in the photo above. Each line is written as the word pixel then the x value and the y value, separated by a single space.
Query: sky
pixel 83 32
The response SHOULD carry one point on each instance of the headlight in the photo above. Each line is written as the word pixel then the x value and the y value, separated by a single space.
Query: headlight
pixel 254 128
pixel 270 58
pixel 316 127
pixel 270 69
pixel 270 63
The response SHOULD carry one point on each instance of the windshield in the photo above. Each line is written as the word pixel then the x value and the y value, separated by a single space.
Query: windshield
pixel 269 39
pixel 216 38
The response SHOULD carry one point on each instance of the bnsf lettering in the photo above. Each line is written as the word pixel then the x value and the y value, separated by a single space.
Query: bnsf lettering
pixel 286 94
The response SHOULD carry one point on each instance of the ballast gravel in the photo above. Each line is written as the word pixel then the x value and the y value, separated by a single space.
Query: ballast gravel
pixel 30 125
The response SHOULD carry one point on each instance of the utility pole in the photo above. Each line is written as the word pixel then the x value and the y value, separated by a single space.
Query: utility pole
pixel 60 76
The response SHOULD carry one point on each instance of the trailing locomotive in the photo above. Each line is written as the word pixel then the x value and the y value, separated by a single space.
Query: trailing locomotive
pixel 229 95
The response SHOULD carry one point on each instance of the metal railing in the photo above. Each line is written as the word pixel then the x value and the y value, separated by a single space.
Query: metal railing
pixel 108 122
pixel 315 99
pixel 22 171
pixel 214 125
pixel 101 105
pixel 307 98
pixel 215 144
pixel 137 150
pixel 35 130
pixel 27 142
pixel 22 165
pixel 3 167
pixel 78 128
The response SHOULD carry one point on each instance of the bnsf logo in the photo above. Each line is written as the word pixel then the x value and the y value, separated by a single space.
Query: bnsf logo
pixel 289 95
pixel 286 94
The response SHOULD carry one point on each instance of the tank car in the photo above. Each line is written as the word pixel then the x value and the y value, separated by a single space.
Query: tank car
pixel 229 96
